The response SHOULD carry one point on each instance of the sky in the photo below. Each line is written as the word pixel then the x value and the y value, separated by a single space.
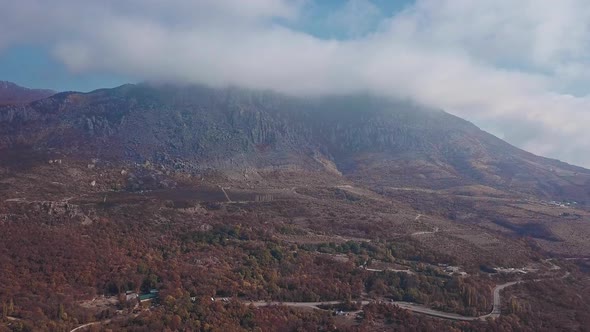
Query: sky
pixel 518 69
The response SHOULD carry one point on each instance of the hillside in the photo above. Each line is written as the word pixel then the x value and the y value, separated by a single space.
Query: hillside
pixel 214 203
pixel 369 139
pixel 11 93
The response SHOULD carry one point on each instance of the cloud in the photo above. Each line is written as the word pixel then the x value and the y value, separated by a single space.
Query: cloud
pixel 518 69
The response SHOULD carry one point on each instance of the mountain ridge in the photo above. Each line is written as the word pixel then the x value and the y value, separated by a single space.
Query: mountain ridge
pixel 371 139
pixel 11 93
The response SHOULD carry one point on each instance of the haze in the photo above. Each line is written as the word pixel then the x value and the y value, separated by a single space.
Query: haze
pixel 517 69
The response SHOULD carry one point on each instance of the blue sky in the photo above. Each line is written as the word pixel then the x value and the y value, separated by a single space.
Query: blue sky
pixel 35 67
pixel 315 14
pixel 519 69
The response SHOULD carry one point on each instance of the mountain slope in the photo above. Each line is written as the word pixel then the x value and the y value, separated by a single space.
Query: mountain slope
pixel 375 141
pixel 200 192
pixel 11 93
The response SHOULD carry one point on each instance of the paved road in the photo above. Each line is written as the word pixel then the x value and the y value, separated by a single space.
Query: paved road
pixel 495 313
pixel 408 271
pixel 312 305
pixel 434 313
pixel 404 305
pixel 498 299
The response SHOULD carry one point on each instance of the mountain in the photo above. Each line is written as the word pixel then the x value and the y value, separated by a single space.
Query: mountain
pixel 376 141
pixel 186 194
pixel 11 93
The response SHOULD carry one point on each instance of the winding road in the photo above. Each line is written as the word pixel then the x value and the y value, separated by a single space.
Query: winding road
pixel 498 299
pixel 495 313
pixel 311 305
pixel 408 271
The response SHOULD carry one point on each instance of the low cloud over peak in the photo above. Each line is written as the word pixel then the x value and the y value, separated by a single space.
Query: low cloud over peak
pixel 518 69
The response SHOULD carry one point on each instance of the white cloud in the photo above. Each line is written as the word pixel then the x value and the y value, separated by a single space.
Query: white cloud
pixel 508 66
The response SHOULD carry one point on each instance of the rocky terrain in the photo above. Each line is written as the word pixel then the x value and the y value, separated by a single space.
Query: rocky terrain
pixel 369 139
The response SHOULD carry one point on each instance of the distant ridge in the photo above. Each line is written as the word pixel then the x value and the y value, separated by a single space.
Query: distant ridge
pixel 11 93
